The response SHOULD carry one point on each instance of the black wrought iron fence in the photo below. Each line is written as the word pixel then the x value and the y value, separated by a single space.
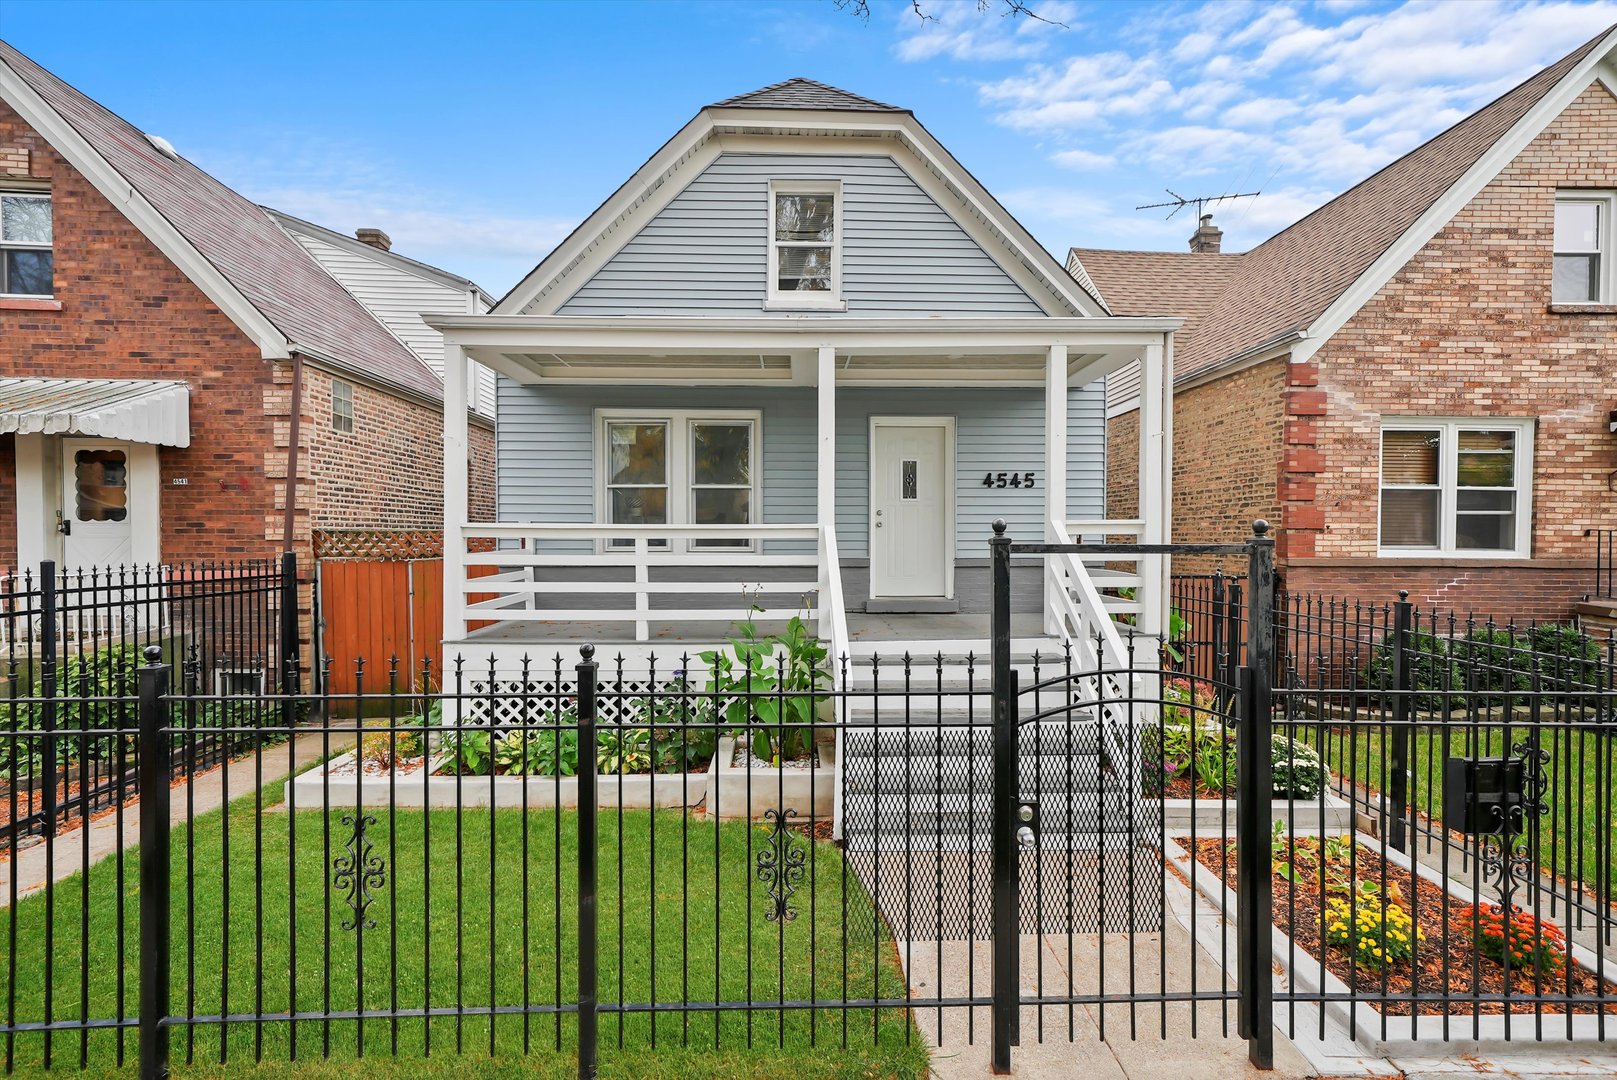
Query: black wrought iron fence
pixel 70 646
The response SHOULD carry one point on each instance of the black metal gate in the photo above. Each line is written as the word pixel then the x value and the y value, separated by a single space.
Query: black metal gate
pixel 1081 834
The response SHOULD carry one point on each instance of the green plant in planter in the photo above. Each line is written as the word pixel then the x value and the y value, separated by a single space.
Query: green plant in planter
pixel 771 698
pixel 469 751
pixel 683 736
pixel 623 751
pixel 1296 768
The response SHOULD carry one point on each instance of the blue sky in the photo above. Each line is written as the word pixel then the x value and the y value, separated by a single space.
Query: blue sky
pixel 478 134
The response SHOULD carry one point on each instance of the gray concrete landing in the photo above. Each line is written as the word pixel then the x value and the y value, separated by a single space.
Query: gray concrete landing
pixel 1177 1042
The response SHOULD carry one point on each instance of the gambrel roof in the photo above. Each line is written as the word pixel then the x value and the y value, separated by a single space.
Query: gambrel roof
pixel 256 273
pixel 804 94
pixel 800 109
pixel 1309 277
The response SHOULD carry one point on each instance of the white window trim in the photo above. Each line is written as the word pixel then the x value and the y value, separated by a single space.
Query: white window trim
pixel 38 193
pixel 1447 467
pixel 681 468
pixel 1607 201
pixel 775 300
pixel 352 415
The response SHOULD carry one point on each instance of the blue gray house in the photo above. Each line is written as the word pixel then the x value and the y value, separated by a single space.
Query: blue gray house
pixel 800 360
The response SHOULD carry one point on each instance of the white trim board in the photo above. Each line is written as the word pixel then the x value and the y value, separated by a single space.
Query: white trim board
pixel 1596 65
pixel 66 140
pixel 897 135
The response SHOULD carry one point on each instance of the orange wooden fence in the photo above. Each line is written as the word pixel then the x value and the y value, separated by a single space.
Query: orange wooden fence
pixel 376 610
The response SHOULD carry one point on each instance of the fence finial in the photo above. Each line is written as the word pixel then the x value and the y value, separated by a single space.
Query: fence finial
pixel 999 526
pixel 1260 527
pixel 587 651
pixel 153 654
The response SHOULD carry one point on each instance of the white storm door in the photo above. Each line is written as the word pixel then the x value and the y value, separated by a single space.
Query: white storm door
pixel 911 507
pixel 96 507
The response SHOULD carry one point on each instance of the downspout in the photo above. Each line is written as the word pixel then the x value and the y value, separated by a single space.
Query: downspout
pixel 292 450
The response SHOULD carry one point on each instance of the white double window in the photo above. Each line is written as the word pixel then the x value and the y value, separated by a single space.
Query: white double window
pixel 678 468
pixel 805 244
pixel 1456 487
pixel 1585 272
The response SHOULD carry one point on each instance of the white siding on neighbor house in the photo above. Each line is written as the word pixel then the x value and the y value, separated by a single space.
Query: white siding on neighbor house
pixel 706 252
pixel 398 299
pixel 1123 389
pixel 546 453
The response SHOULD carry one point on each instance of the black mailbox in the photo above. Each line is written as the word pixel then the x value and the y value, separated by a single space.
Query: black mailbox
pixel 1480 795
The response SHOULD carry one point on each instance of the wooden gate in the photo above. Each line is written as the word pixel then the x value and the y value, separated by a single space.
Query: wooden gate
pixel 377 610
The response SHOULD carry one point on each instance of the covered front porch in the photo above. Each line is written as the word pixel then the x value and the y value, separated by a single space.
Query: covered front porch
pixel 661 479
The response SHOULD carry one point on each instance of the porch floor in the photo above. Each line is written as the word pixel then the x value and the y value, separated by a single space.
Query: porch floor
pixel 862 627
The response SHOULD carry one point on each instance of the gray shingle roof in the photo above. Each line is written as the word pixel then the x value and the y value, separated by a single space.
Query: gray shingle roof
pixel 1233 304
pixel 804 94
pixel 265 264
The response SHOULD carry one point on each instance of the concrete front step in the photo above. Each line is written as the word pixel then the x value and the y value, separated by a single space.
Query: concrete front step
pixel 956 813
pixel 890 740
pixel 921 772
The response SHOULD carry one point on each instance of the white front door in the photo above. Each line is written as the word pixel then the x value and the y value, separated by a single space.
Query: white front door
pixel 911 507
pixel 97 511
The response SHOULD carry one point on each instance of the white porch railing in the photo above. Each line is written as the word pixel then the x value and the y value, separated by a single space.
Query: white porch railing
pixel 1112 677
pixel 532 562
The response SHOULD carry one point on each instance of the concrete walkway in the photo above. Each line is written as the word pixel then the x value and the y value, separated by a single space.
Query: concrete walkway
pixel 74 849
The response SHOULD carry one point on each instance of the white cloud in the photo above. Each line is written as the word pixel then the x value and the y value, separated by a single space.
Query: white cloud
pixel 958 30
pixel 1083 160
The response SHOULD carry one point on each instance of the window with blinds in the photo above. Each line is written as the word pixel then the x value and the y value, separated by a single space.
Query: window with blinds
pixel 1458 487
pixel 805 238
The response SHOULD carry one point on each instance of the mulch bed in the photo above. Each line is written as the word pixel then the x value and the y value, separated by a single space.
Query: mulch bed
pixel 1180 788
pixel 1443 963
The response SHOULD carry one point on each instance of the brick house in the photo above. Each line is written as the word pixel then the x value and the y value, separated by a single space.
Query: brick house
pixel 156 329
pixel 1416 382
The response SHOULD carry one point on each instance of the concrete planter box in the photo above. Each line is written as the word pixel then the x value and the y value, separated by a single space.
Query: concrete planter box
pixel 418 790
pixel 1211 816
pixel 737 791
pixel 1420 1036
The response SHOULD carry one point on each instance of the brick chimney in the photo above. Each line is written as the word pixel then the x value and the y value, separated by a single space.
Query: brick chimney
pixel 376 238
pixel 1205 240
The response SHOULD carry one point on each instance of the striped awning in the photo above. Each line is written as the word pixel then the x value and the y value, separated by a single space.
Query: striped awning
pixel 136 410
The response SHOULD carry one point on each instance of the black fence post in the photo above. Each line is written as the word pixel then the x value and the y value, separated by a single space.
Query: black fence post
pixel 1395 821
pixel 49 603
pixel 588 871
pixel 1254 864
pixel 289 628
pixel 1006 975
pixel 155 776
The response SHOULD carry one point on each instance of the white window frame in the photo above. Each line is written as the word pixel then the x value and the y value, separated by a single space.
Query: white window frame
pixel 1447 470
pixel 347 415
pixel 681 466
pixel 787 301
pixel 1607 285
pixel 17 245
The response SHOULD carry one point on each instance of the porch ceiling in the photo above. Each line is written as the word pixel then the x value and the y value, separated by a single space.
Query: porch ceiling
pixel 533 349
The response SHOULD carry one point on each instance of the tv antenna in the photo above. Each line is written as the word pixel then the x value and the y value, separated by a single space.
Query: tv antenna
pixel 1179 202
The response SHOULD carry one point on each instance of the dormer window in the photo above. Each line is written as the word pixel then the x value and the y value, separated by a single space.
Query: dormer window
pixel 805 255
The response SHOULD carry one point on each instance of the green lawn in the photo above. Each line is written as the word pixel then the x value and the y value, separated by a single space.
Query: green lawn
pixel 236 951
pixel 1582 792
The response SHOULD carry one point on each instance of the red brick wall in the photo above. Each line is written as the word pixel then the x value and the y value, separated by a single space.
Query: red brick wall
pixel 127 312
pixel 481 445
pixel 1466 329
pixel 1123 465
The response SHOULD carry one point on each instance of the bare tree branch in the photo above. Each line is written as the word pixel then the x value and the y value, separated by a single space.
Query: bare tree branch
pixel 1013 9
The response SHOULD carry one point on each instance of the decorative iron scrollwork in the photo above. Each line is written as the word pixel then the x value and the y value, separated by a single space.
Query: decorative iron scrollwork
pixel 780 865
pixel 1505 855
pixel 359 872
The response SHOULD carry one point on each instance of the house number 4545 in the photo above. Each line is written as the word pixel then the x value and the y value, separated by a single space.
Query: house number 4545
pixel 1015 480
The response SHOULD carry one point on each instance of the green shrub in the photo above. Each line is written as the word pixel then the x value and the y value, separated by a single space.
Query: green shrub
pixel 1567 659
pixel 1495 663
pixel 1434 670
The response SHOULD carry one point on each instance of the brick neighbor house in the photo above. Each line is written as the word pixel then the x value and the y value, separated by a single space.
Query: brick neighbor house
pixel 1416 382
pixel 155 330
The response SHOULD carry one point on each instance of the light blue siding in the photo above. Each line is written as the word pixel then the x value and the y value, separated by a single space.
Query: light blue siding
pixel 706 252
pixel 546 454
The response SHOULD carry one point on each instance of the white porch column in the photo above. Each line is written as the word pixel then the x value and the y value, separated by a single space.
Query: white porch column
pixel 825 505
pixel 1055 469
pixel 456 491
pixel 1155 393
